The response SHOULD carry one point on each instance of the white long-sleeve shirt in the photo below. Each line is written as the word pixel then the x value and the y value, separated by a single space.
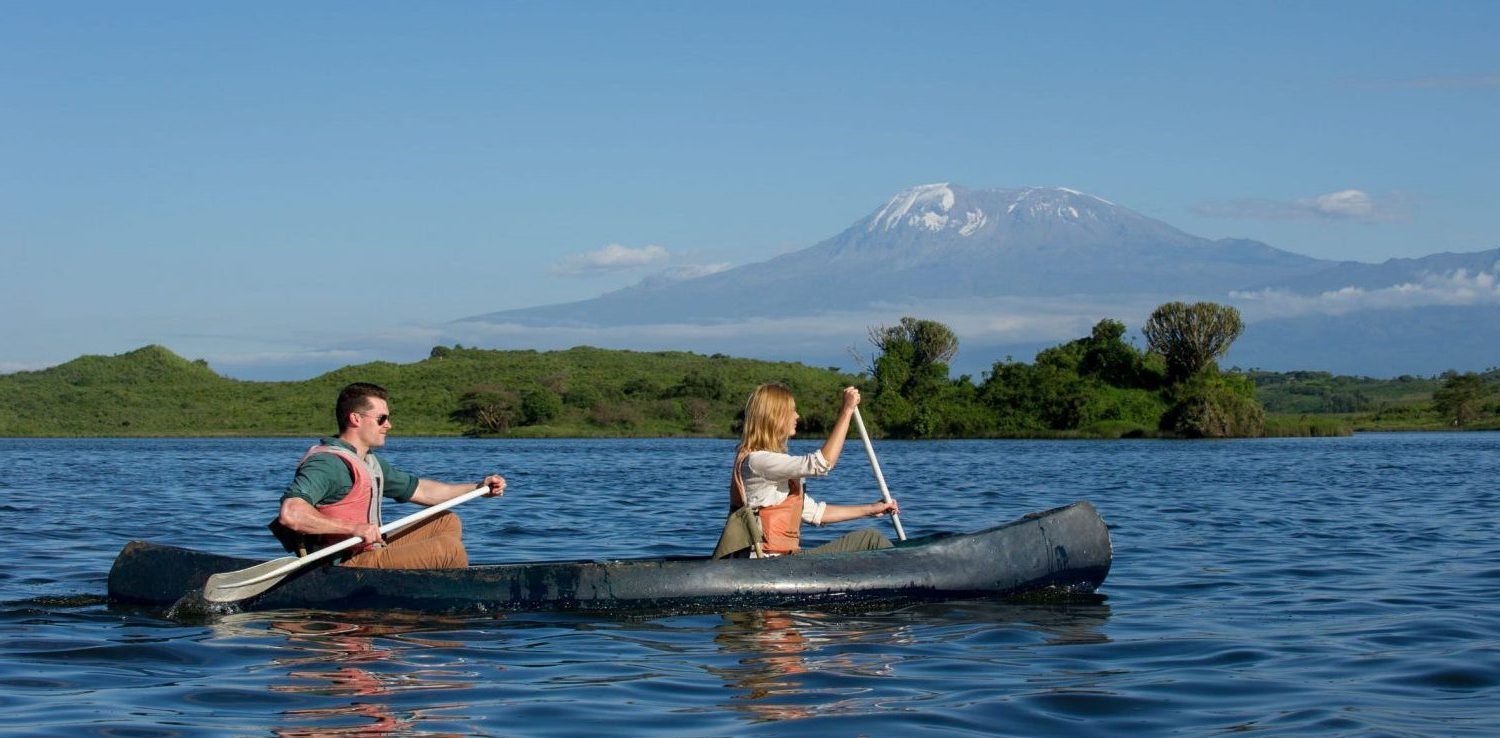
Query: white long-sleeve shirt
pixel 767 476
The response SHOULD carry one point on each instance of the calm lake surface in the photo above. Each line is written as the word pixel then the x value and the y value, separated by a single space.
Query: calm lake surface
pixel 1317 587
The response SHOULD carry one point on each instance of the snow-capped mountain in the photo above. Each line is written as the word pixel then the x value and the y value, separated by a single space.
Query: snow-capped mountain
pixel 946 241
pixel 1013 270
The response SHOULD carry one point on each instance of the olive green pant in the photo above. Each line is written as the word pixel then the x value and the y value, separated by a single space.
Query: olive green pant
pixel 867 539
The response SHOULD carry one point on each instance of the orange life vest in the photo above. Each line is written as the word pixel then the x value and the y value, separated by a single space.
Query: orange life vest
pixel 362 504
pixel 781 523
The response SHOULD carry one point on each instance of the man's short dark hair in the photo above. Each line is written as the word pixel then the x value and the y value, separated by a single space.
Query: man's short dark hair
pixel 356 398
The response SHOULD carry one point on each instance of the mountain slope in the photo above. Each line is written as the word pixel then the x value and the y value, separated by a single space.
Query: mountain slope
pixel 1392 272
pixel 950 242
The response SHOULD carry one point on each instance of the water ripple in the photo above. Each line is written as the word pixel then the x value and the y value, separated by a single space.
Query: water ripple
pixel 1289 587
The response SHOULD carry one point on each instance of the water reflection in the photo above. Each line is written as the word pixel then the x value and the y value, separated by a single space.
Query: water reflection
pixel 360 667
pixel 795 665
pixel 788 663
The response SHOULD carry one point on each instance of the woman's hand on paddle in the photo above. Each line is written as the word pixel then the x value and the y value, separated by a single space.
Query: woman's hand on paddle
pixel 833 447
pixel 496 483
pixel 851 400
pixel 881 508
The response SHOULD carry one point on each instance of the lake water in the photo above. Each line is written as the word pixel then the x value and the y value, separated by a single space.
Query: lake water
pixel 1317 587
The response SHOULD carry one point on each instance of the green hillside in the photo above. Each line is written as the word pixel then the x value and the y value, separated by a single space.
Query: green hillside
pixel 587 391
pixel 579 392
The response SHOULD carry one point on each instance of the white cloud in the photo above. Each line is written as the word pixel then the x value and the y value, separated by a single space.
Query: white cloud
pixel 1350 204
pixel 1342 204
pixel 693 271
pixel 1459 287
pixel 611 258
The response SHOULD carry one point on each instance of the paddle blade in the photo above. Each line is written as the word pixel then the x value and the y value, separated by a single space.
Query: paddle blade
pixel 232 586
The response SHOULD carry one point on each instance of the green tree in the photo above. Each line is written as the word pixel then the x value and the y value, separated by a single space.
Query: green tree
pixel 703 385
pixel 1460 398
pixel 931 342
pixel 489 409
pixel 1191 337
pixel 540 405
pixel 1107 356
pixel 583 395
pixel 892 375
pixel 911 376
pixel 1013 390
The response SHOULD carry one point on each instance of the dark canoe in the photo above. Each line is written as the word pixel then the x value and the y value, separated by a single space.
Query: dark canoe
pixel 1065 550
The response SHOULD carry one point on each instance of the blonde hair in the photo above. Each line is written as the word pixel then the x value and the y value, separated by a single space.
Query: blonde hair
pixel 766 414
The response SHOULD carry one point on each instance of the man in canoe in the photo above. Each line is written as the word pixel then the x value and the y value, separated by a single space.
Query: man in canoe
pixel 767 502
pixel 340 482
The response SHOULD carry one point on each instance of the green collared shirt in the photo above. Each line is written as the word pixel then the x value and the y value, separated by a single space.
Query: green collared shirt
pixel 325 479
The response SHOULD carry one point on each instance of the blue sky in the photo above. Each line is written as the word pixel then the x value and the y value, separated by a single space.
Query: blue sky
pixel 281 186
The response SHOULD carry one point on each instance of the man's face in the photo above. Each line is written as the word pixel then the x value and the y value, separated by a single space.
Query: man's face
pixel 372 424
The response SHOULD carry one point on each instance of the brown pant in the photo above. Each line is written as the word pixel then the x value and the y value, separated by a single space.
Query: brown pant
pixel 436 543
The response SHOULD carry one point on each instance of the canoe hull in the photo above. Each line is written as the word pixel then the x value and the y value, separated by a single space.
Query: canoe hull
pixel 1066 549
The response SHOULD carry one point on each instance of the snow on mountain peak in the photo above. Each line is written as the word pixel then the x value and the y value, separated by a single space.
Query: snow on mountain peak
pixel 927 207
pixel 943 208
pixel 1059 202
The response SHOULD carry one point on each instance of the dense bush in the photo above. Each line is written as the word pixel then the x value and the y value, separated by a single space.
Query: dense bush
pixel 1212 405
pixel 540 405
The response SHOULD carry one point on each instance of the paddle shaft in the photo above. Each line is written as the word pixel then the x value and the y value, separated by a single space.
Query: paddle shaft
pixel 864 435
pixel 323 553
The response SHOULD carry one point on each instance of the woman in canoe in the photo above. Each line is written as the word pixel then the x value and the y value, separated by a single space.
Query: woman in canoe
pixel 767 500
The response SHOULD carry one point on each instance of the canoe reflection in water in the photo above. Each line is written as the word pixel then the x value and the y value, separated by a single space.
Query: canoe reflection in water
pixel 366 663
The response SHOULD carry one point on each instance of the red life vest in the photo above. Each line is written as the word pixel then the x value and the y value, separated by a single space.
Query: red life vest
pixel 361 505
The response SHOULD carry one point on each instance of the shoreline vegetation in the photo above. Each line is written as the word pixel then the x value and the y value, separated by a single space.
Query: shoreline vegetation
pixel 1096 387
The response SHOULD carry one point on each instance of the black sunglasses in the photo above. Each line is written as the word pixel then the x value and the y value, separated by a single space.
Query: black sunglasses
pixel 379 419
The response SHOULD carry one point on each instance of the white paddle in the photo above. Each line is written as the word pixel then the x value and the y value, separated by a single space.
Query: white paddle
pixel 874 464
pixel 231 586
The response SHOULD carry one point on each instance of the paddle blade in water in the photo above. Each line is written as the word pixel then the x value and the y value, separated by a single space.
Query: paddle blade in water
pixel 231 586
